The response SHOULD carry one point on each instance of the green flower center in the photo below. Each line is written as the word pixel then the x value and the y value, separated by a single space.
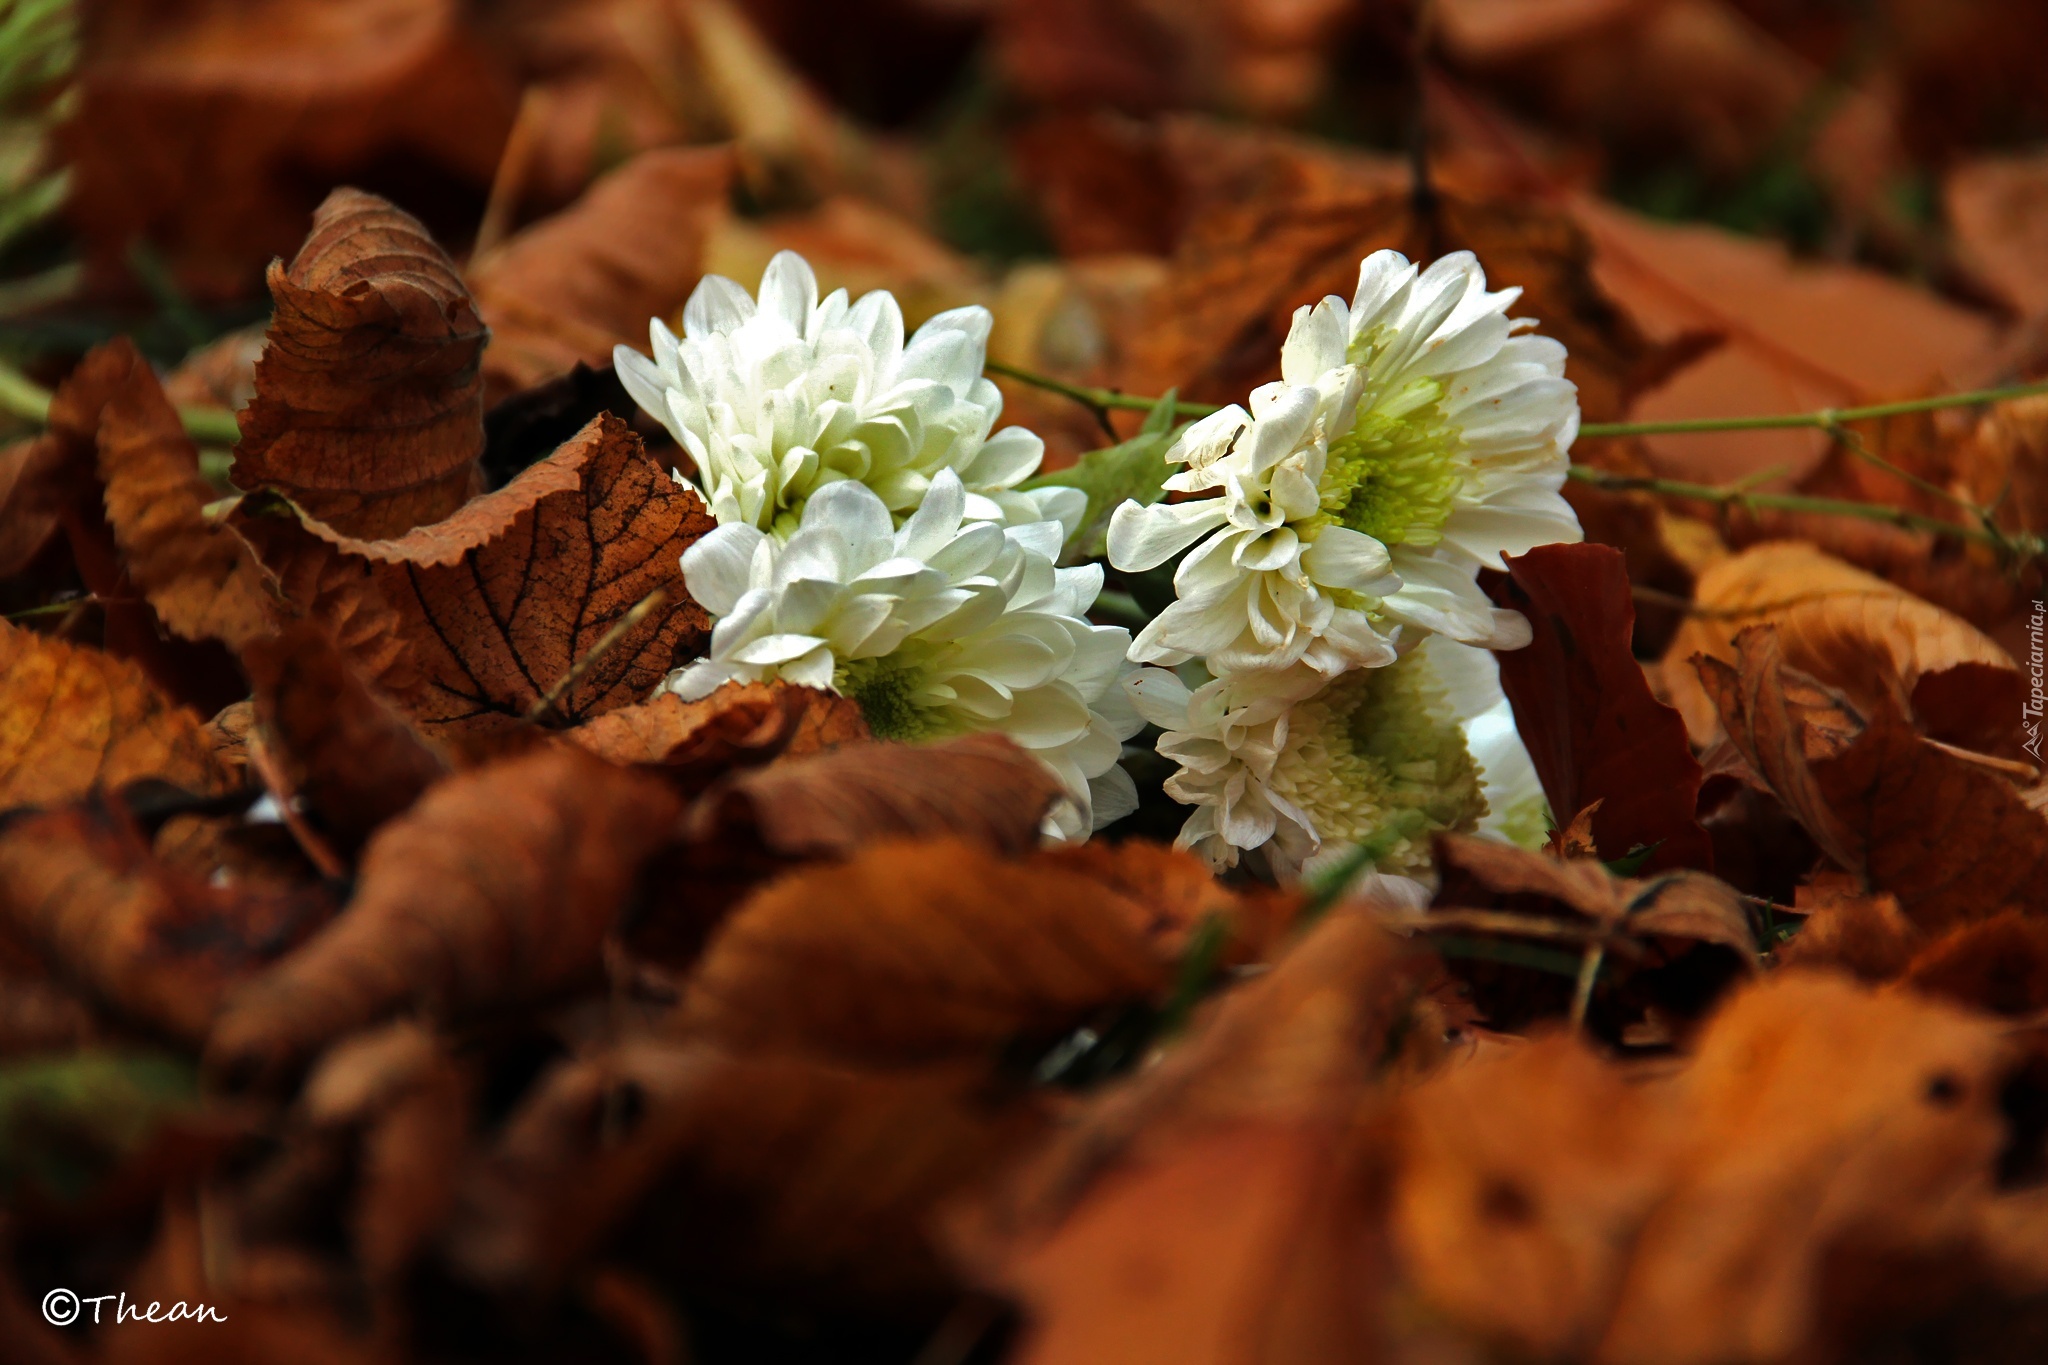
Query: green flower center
pixel 890 693
pixel 1396 473
pixel 1377 741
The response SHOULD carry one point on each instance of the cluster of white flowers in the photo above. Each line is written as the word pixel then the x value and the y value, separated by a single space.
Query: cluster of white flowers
pixel 1328 589
pixel 1329 633
pixel 871 537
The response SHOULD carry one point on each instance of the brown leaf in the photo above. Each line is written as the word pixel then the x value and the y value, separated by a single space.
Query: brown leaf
pixel 726 729
pixel 202 580
pixel 497 888
pixel 1849 930
pixel 919 952
pixel 1999 965
pixel 1221 1205
pixel 495 605
pixel 576 284
pixel 73 719
pixel 1997 206
pixel 211 129
pixel 368 410
pixel 80 888
pixel 1592 727
pixel 786 1169
pixel 353 759
pixel 1851 631
pixel 981 787
pixel 27 520
pixel 1949 838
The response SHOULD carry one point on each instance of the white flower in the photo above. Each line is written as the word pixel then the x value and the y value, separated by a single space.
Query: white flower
pixel 779 398
pixel 1413 438
pixel 1306 767
pixel 942 626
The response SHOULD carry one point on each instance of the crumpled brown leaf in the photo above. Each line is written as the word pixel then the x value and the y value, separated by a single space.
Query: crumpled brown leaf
pixel 1824 1153
pixel 726 729
pixel 80 887
pixel 497 888
pixel 1997 206
pixel 574 285
pixel 202 581
pixel 353 759
pixel 1850 630
pixel 789 1168
pixel 494 606
pixel 73 719
pixel 369 408
pixel 1950 838
pixel 1594 730
pixel 915 952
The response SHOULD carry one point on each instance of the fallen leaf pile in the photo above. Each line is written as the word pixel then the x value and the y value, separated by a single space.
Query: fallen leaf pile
pixel 391 964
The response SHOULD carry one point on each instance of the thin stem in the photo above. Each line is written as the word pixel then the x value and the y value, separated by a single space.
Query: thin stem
pixel 1589 976
pixel 22 397
pixel 1101 400
pixel 606 643
pixel 1826 419
pixel 1800 502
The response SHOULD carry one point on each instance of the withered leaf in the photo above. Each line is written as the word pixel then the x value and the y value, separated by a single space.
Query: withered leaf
pixel 1593 728
pixel 369 408
pixel 354 759
pixel 497 888
pixel 1999 965
pixel 1848 929
pixel 73 719
pixel 787 1167
pixel 1952 840
pixel 574 285
pixel 495 605
pixel 1217 1206
pixel 1847 628
pixel 736 726
pixel 202 580
pixel 980 786
pixel 80 887
pixel 915 952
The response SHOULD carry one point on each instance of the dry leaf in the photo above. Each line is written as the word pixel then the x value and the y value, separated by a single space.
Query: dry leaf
pixel 202 581
pixel 1850 930
pixel 73 720
pixel 785 1167
pixel 1999 965
pixel 1851 631
pixel 1997 207
pixel 1596 734
pixel 81 888
pixel 497 888
pixel 1951 839
pixel 573 286
pixel 735 726
pixel 368 410
pixel 494 606
pixel 345 751
pixel 919 952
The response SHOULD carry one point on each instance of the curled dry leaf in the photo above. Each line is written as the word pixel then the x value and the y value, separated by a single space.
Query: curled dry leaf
pixel 574 285
pixel 1823 1155
pixel 497 888
pixel 80 888
pixel 353 759
pixel 490 609
pixel 736 726
pixel 1220 1205
pixel 918 952
pixel 1998 208
pixel 1851 631
pixel 785 1168
pixel 1850 930
pixel 200 578
pixel 982 787
pixel 1594 730
pixel 369 409
pixel 73 719
pixel 1950 838
pixel 1999 965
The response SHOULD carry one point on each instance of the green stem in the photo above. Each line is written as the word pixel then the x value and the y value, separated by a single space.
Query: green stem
pixel 1101 400
pixel 1826 419
pixel 22 397
pixel 1800 502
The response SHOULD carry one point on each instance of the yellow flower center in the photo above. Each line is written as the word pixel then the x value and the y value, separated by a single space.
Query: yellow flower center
pixel 1396 474
pixel 890 693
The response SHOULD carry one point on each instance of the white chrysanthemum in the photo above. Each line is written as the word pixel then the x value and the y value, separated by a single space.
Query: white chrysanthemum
pixel 1306 767
pixel 777 398
pixel 940 627
pixel 1413 437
